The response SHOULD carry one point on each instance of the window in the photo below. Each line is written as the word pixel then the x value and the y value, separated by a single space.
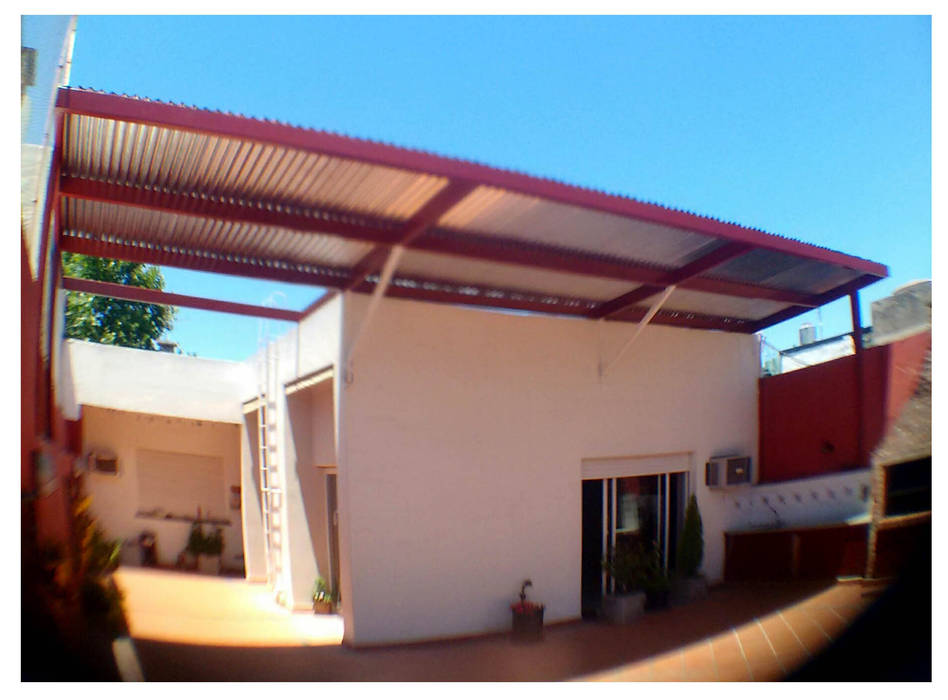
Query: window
pixel 177 485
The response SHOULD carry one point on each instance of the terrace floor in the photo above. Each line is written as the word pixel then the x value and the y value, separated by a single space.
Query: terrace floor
pixel 188 627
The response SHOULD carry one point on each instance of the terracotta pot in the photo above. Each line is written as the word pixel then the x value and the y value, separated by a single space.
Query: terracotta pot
pixel 528 625
pixel 322 607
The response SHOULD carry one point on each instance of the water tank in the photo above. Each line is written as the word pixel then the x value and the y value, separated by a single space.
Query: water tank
pixel 807 334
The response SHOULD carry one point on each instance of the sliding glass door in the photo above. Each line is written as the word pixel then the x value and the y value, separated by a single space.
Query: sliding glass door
pixel 628 511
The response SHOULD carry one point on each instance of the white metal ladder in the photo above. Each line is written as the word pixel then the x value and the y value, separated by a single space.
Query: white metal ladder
pixel 271 493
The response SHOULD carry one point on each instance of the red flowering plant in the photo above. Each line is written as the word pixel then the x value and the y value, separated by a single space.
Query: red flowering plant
pixel 527 617
pixel 525 607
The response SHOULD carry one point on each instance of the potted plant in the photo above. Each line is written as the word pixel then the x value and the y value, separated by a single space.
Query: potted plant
pixel 656 584
pixel 206 549
pixel 627 566
pixel 324 598
pixel 689 584
pixel 527 617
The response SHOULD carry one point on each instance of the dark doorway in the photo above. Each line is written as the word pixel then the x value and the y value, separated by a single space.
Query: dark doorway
pixel 592 548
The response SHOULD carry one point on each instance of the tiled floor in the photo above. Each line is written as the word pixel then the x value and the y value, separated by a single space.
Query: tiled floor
pixel 766 648
pixel 188 627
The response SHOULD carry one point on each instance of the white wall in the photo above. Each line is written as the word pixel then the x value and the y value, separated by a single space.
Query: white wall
pixel 313 345
pixel 159 383
pixel 115 498
pixel 463 434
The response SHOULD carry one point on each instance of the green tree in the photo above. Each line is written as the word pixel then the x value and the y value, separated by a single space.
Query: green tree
pixel 115 321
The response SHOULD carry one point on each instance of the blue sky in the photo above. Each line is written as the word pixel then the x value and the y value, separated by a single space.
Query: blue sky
pixel 817 128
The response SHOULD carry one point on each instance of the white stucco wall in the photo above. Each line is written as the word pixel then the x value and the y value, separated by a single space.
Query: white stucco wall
pixel 305 433
pixel 463 434
pixel 115 497
pixel 158 383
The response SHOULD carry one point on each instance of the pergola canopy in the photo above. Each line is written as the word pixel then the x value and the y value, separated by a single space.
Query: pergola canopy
pixel 166 184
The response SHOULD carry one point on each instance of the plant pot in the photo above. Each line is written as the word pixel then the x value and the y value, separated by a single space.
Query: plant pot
pixel 528 624
pixel 687 590
pixel 322 607
pixel 623 609
pixel 209 564
pixel 657 600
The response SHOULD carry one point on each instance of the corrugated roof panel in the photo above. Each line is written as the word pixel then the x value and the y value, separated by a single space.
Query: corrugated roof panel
pixel 178 161
pixel 194 232
pixel 467 271
pixel 716 304
pixel 782 271
pixel 492 211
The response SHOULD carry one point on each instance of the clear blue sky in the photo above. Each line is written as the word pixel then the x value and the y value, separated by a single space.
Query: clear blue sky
pixel 817 128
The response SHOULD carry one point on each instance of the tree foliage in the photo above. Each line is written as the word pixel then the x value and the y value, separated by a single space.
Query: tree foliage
pixel 115 321
pixel 691 542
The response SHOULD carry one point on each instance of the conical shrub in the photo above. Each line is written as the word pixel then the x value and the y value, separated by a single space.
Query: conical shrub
pixel 691 541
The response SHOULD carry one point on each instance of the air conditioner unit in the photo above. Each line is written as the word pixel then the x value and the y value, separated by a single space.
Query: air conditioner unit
pixel 102 461
pixel 721 472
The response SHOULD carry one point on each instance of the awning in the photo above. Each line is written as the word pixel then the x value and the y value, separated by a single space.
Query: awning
pixel 172 185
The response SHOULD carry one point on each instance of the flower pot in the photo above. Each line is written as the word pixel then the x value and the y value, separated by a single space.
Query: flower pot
pixel 623 609
pixel 209 564
pixel 657 600
pixel 527 623
pixel 689 589
pixel 322 607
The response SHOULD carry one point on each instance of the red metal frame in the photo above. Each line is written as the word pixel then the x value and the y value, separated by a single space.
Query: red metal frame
pixel 819 300
pixel 439 204
pixel 202 260
pixel 726 252
pixel 346 224
pixel 190 119
pixel 415 234
pixel 154 296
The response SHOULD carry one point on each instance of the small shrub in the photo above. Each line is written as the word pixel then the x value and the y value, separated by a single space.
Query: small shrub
pixel 691 541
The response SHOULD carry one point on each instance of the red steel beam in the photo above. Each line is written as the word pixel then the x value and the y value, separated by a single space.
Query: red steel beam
pixel 77 101
pixel 386 232
pixel 549 258
pixel 680 320
pixel 154 296
pixel 719 255
pixel 450 195
pixel 200 260
pixel 825 298
pixel 346 224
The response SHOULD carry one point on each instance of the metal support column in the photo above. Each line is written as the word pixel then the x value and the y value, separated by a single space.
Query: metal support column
pixel 860 378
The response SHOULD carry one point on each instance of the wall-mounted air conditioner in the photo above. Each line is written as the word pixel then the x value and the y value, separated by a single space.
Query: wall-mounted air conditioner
pixel 721 472
pixel 102 461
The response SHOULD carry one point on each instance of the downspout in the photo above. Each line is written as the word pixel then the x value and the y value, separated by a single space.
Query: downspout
pixel 638 330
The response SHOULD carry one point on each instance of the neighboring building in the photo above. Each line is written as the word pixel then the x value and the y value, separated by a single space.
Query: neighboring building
pixel 425 454
pixel 906 312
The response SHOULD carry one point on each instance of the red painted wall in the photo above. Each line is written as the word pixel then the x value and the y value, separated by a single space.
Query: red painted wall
pixel 809 424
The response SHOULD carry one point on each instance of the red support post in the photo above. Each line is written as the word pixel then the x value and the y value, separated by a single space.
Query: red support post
pixel 860 378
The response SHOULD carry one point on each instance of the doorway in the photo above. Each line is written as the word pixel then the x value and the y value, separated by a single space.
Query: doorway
pixel 628 511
